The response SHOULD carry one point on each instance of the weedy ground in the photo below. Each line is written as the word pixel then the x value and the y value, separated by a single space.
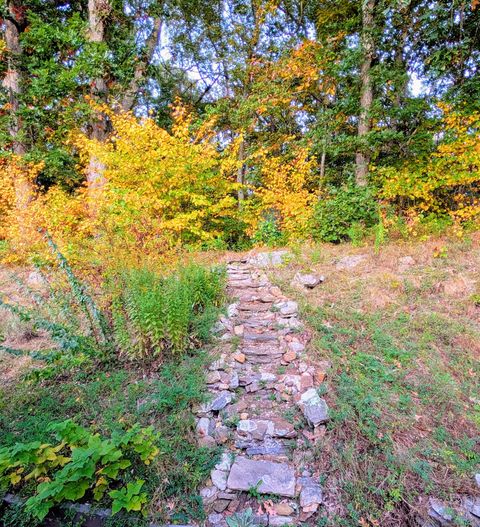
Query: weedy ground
pixel 404 343
pixel 108 401
pixel 104 396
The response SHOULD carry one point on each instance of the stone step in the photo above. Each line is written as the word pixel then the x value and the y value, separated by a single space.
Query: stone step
pixel 244 284
pixel 254 295
pixel 261 337
pixel 250 397
pixel 267 447
pixel 267 477
pixel 239 278
pixel 253 307
pixel 260 428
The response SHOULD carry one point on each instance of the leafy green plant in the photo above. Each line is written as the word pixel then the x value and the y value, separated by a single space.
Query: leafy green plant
pixel 241 519
pixel 475 298
pixel 147 314
pixel 81 462
pixel 268 232
pixel 343 213
pixel 253 491
pixel 129 498
pixel 153 314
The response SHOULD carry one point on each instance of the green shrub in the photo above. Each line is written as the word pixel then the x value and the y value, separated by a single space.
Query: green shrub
pixel 79 463
pixel 341 215
pixel 153 314
pixel 269 233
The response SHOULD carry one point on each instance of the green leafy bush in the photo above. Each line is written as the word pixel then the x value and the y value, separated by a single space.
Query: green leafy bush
pixel 269 232
pixel 341 215
pixel 153 314
pixel 80 463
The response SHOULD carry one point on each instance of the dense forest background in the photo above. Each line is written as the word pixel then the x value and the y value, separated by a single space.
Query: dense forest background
pixel 219 123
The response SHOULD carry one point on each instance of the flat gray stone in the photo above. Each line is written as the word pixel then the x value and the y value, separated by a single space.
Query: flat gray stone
pixel 349 262
pixel 287 308
pixel 217 519
pixel 221 434
pixel 243 284
pixel 253 387
pixel 220 401
pixel 232 310
pixel 439 512
pixel 220 505
pixel 269 446
pixel 219 478
pixel 281 428
pixel 256 428
pixel 260 337
pixel 213 377
pixel 205 427
pixel 208 494
pixel 267 377
pixel 225 462
pixel 226 496
pixel 290 323
pixel 308 280
pixel 477 479
pixel 266 259
pixel 311 493
pixel 314 408
pixel 271 477
pixel 296 346
pixel 472 505
pixel 233 381
pixel 279 521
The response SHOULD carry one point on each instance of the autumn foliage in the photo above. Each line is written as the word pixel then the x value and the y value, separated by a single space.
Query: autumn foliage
pixel 448 183
pixel 164 190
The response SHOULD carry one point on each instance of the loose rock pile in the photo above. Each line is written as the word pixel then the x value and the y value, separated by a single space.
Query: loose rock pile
pixel 265 409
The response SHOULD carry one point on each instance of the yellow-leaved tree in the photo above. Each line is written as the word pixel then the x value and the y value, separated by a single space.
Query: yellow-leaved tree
pixel 161 190
pixel 285 190
pixel 449 182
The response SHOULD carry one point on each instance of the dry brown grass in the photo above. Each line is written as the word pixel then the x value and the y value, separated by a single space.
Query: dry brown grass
pixel 444 282
pixel 15 284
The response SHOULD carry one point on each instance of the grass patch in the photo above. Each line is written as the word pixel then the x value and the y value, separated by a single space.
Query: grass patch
pixel 403 423
pixel 108 402
pixel 138 361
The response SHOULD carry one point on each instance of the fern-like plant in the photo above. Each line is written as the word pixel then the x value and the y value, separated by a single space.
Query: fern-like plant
pixel 153 315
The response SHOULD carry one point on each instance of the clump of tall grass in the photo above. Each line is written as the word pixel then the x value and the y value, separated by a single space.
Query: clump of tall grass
pixel 156 315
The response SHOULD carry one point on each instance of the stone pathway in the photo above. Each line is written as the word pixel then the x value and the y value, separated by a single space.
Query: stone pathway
pixel 265 409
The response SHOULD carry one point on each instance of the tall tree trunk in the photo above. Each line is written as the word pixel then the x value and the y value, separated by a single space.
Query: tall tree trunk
pixel 241 173
pixel 14 24
pixel 98 10
pixel 151 44
pixel 362 158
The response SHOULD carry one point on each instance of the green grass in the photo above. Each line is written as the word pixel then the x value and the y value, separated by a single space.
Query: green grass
pixel 138 360
pixel 402 419
pixel 108 401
